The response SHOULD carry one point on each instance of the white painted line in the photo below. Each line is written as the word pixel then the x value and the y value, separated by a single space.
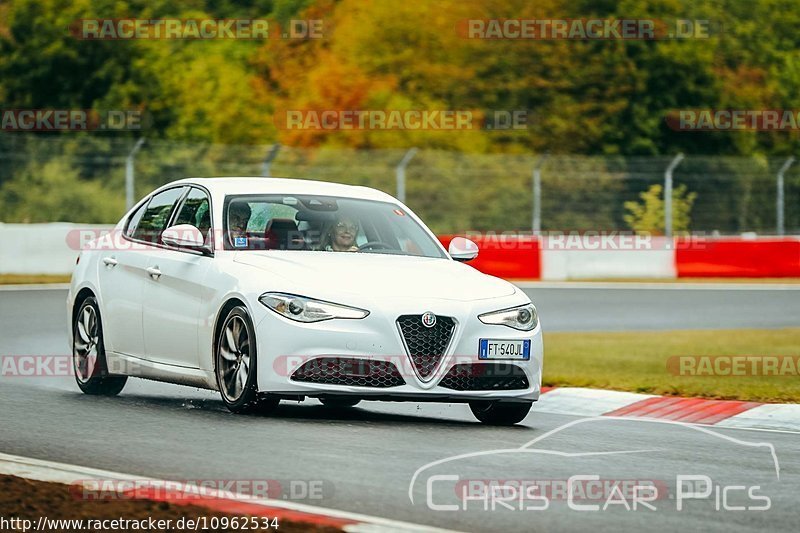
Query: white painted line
pixel 40 470
pixel 668 286
pixel 585 402
pixel 36 287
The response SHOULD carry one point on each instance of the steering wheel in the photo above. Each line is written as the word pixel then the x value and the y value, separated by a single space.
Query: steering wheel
pixel 373 245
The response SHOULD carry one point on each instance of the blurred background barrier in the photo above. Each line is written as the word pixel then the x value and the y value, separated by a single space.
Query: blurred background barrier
pixel 746 258
pixel 655 261
pixel 52 249
pixel 41 248
pixel 83 178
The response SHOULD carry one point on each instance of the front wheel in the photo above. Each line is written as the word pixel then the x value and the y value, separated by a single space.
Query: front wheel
pixel 89 354
pixel 500 413
pixel 235 362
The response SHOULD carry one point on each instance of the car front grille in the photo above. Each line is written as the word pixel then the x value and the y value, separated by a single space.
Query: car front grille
pixel 350 371
pixel 426 346
pixel 485 376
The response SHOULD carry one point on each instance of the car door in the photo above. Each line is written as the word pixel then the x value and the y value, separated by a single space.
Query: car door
pixel 175 288
pixel 123 273
pixel 121 279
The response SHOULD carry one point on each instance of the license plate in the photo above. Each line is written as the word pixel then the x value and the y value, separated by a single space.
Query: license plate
pixel 504 349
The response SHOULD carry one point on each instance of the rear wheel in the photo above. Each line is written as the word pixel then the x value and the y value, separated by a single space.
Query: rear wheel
pixel 89 354
pixel 235 364
pixel 500 413
pixel 339 402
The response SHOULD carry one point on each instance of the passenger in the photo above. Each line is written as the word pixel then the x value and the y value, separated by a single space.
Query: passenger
pixel 342 236
pixel 238 218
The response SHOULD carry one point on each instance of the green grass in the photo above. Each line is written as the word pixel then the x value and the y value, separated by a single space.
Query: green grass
pixel 637 362
pixel 25 279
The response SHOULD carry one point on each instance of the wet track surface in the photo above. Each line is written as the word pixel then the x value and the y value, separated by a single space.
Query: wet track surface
pixel 365 458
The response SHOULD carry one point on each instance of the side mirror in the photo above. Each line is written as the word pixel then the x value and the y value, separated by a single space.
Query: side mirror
pixel 184 236
pixel 462 249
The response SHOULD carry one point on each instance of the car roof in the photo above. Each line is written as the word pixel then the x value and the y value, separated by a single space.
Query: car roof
pixel 222 186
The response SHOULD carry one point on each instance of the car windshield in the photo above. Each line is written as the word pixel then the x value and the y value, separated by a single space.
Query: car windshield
pixel 325 224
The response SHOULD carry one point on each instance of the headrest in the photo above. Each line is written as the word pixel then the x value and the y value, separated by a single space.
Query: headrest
pixel 281 225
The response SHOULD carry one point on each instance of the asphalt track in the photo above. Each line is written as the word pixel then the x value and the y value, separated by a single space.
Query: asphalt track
pixel 365 459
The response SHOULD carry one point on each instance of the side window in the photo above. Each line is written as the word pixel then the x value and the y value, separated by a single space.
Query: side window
pixel 155 217
pixel 262 225
pixel 196 210
pixel 133 221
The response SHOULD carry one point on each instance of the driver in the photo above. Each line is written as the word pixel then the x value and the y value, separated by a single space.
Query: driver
pixel 342 236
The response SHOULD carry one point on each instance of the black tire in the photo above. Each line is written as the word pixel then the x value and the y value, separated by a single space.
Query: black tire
pixel 89 353
pixel 339 402
pixel 500 413
pixel 236 350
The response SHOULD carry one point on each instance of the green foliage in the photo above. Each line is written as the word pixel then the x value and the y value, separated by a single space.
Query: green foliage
pixel 588 97
pixel 647 216
pixel 605 98
pixel 54 192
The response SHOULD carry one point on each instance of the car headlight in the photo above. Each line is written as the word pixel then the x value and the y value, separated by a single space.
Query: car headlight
pixel 523 318
pixel 302 309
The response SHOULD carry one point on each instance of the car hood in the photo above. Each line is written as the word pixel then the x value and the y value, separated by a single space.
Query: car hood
pixel 377 275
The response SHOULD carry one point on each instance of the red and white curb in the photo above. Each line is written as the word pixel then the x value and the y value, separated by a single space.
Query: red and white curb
pixel 720 413
pixel 226 502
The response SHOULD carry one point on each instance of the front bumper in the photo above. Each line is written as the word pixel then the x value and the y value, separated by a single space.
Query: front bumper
pixel 285 345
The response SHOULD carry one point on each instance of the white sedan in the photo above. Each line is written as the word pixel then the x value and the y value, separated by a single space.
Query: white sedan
pixel 267 289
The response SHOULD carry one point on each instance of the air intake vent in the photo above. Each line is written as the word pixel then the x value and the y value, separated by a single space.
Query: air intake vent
pixel 485 376
pixel 350 371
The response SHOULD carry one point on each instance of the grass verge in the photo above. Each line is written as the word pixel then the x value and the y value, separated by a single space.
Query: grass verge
pixel 637 362
pixel 29 279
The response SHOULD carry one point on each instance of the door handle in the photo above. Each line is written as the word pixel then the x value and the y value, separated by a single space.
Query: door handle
pixel 110 261
pixel 154 272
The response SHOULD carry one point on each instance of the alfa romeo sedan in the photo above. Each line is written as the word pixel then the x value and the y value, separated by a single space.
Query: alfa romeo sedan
pixel 267 289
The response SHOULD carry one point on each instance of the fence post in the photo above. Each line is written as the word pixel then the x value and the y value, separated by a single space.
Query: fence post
pixel 668 194
pixel 129 177
pixel 779 200
pixel 536 223
pixel 400 174
pixel 267 164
